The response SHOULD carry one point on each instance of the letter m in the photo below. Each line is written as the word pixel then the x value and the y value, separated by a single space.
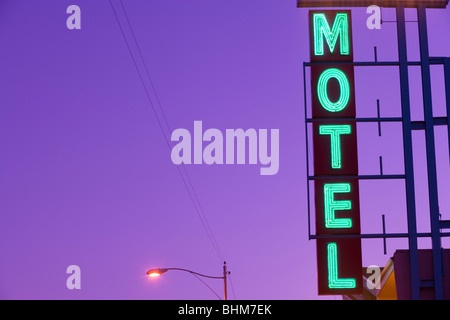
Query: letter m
pixel 339 30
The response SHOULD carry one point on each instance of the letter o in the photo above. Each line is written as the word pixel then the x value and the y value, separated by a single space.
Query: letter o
pixel 323 94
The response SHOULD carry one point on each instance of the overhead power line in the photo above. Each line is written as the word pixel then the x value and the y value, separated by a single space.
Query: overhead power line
pixel 185 178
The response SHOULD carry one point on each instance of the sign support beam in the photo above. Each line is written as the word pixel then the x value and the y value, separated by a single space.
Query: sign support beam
pixel 447 97
pixel 408 154
pixel 431 154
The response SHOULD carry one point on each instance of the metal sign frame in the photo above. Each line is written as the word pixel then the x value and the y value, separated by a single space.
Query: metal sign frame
pixel 408 126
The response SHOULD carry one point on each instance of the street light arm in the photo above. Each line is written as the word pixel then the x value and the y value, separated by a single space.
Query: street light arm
pixel 193 272
pixel 159 271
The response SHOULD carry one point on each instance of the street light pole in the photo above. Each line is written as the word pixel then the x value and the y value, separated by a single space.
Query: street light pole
pixel 224 280
pixel 159 271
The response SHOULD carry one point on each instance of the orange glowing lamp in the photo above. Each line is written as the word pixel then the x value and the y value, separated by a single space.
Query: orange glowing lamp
pixel 154 273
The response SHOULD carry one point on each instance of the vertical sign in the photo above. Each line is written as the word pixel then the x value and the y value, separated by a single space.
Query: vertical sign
pixel 335 153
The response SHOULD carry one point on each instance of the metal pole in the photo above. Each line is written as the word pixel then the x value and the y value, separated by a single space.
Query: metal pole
pixel 224 280
pixel 447 96
pixel 384 232
pixel 408 155
pixel 307 152
pixel 431 155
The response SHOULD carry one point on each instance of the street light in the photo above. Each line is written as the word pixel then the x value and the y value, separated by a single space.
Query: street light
pixel 154 273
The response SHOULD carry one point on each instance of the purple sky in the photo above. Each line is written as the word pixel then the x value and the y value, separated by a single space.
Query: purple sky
pixel 86 177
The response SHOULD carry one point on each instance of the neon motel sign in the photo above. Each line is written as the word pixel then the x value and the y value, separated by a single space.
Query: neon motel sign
pixel 336 185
